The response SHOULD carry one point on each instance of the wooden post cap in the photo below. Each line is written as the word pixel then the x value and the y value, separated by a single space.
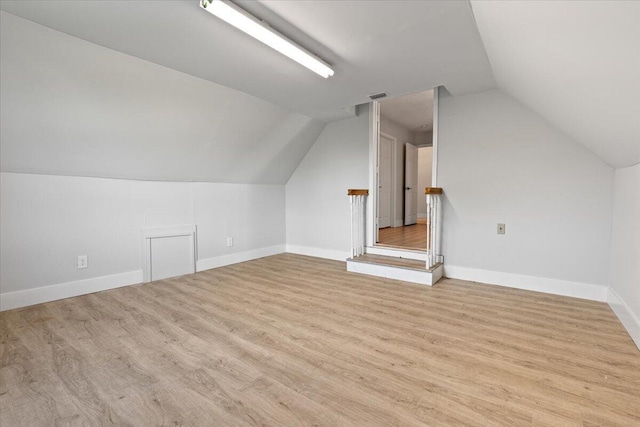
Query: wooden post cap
pixel 433 190
pixel 355 192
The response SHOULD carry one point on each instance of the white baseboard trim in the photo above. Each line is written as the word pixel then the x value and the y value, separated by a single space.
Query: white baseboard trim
pixel 318 252
pixel 422 215
pixel 234 258
pixel 628 319
pixel 44 294
pixel 399 223
pixel 28 297
pixel 530 283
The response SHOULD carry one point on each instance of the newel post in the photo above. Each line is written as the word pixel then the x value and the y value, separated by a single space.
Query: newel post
pixel 357 199
pixel 434 227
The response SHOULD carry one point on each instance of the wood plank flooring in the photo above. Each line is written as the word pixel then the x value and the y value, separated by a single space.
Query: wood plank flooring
pixel 408 237
pixel 290 340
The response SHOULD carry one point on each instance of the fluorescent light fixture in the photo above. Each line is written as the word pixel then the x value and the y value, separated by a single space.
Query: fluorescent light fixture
pixel 261 31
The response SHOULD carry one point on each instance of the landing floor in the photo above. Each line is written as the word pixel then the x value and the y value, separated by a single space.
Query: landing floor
pixel 408 237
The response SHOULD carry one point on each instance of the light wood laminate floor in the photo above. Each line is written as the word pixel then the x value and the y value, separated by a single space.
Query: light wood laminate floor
pixel 290 340
pixel 408 237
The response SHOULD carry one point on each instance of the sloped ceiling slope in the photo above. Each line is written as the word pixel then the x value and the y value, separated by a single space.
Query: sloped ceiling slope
pixel 70 107
pixel 395 46
pixel 576 63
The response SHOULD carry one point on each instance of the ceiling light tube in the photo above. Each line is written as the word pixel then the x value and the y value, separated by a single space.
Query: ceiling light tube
pixel 259 30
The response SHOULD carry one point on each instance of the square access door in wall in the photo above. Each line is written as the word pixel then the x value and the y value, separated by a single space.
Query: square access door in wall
pixel 168 252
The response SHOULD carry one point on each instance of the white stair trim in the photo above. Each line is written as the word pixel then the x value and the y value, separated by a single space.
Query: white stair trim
pixel 423 277
pixel 397 253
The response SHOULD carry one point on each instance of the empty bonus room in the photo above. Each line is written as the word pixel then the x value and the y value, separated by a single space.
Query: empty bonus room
pixel 178 202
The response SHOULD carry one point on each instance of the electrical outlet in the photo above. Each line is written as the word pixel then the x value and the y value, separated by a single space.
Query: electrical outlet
pixel 229 241
pixel 82 262
pixel 501 229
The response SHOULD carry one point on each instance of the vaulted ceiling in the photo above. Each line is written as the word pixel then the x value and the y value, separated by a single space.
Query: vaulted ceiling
pixel 398 47
pixel 575 63
pixel 164 90
pixel 69 107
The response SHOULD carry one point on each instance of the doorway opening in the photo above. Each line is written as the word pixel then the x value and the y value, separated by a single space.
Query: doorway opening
pixel 405 164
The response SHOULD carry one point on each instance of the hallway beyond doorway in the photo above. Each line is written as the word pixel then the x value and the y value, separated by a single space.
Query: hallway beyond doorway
pixel 405 237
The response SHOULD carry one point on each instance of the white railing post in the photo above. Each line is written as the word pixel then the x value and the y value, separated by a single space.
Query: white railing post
pixel 357 200
pixel 434 228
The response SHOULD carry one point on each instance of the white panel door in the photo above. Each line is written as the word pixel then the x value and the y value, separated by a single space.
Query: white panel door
pixel 384 181
pixel 410 184
pixel 171 256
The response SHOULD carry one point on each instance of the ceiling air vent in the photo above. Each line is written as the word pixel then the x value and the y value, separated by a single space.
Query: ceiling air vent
pixel 378 95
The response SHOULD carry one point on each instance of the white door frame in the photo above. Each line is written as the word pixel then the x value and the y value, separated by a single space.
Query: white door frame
pixel 434 154
pixel 416 191
pixel 394 169
pixel 374 136
pixel 372 209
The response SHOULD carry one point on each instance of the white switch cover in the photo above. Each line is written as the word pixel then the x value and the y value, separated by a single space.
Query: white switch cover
pixel 82 262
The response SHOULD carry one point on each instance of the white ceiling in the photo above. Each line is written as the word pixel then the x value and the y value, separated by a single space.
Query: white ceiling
pixel 398 47
pixel 414 111
pixel 576 63
pixel 70 107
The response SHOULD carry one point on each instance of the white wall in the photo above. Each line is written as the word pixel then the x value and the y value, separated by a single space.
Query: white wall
pixel 625 249
pixel 73 108
pixel 47 221
pixel 425 167
pixel 318 217
pixel 499 162
pixel 402 135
